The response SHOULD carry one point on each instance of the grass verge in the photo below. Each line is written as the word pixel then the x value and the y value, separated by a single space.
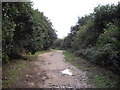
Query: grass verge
pixel 40 52
pixel 13 70
pixel 98 76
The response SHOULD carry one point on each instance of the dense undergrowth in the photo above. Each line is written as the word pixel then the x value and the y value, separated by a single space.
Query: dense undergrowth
pixel 96 37
pixel 103 78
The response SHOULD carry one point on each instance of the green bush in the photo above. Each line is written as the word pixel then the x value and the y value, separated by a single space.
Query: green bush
pixel 57 43
pixel 108 49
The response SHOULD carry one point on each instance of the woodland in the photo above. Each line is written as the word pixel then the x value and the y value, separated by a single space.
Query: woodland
pixel 96 37
pixel 24 30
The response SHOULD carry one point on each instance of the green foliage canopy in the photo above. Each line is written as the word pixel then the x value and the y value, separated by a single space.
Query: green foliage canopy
pixel 25 30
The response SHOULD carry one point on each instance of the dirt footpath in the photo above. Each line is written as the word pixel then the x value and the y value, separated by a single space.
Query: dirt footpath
pixel 46 72
pixel 54 65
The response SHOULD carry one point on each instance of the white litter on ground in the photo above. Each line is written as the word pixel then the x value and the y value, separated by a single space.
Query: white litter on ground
pixel 67 71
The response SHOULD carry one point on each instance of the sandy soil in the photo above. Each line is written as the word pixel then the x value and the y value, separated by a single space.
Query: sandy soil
pixel 46 72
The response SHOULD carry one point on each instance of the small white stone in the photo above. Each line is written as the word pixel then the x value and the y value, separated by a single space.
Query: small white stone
pixel 26 75
pixel 67 71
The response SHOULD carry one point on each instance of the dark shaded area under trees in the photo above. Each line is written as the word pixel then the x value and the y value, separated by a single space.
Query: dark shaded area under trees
pixel 96 37
pixel 24 30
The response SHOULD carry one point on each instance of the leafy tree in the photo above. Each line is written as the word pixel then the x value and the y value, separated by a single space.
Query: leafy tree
pixel 25 30
pixel 96 37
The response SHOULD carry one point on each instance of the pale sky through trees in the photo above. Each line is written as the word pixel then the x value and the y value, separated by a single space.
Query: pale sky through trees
pixel 64 13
